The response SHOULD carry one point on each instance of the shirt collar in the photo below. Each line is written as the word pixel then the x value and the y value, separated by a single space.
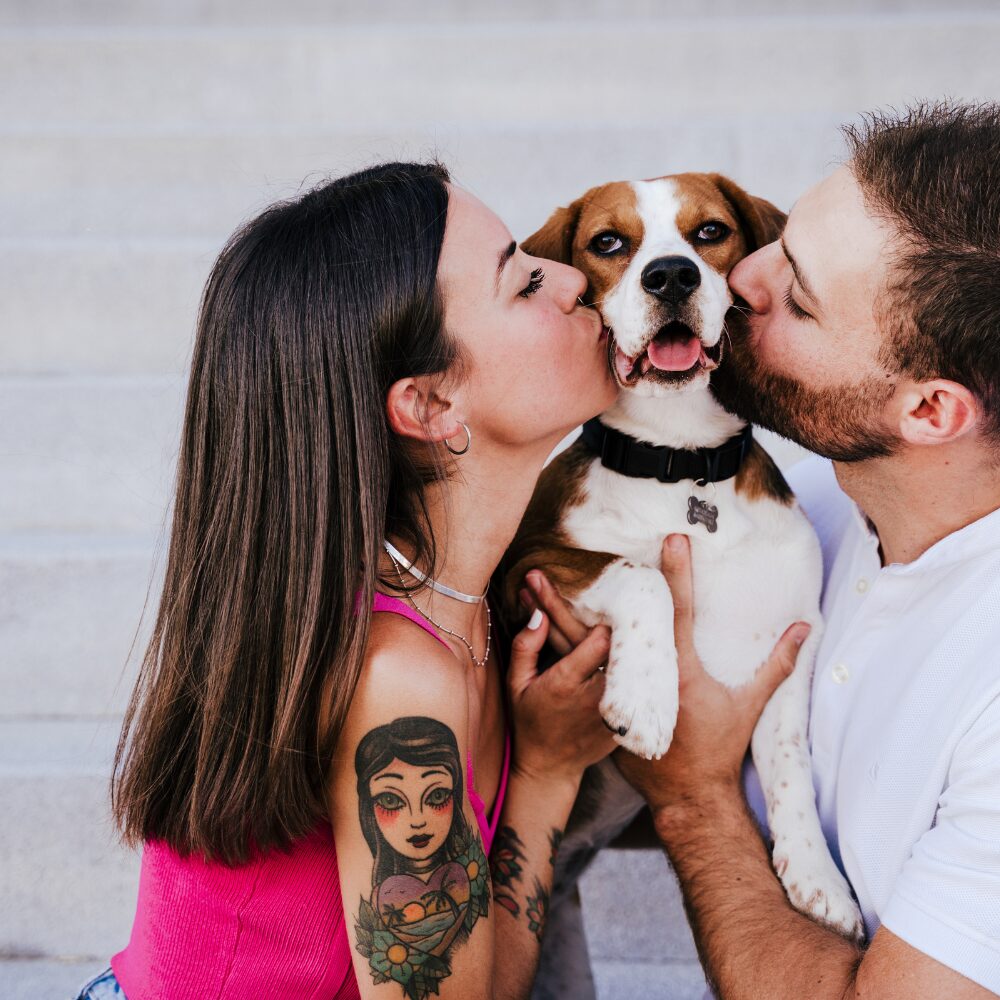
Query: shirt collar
pixel 980 535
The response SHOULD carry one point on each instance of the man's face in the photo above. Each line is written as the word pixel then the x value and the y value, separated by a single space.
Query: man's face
pixel 807 361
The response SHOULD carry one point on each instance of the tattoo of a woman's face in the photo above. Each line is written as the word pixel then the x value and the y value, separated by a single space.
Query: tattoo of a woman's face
pixel 430 882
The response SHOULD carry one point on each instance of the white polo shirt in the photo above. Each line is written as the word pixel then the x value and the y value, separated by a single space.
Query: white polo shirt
pixel 905 728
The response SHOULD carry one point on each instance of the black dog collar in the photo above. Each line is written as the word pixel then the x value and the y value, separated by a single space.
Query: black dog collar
pixel 634 458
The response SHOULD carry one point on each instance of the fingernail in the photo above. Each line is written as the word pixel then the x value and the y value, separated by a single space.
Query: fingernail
pixel 801 633
pixel 534 579
pixel 536 619
pixel 676 543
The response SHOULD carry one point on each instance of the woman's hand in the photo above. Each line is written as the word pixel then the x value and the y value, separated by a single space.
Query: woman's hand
pixel 558 729
pixel 715 722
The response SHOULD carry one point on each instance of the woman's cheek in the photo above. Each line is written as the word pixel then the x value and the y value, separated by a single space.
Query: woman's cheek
pixel 386 818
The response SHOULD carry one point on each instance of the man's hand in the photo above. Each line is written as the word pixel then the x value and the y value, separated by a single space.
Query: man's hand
pixel 715 722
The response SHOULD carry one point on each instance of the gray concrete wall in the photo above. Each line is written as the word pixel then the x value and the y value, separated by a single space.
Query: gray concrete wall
pixel 136 134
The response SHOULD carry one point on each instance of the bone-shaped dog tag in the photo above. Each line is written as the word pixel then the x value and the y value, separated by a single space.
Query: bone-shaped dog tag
pixel 702 512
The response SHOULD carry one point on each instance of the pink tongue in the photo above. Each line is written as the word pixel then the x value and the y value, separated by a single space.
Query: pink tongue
pixel 670 355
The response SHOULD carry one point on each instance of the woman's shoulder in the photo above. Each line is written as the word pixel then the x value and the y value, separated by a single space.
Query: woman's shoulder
pixel 405 663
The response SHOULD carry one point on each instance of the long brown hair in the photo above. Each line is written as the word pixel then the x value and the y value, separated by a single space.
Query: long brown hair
pixel 288 478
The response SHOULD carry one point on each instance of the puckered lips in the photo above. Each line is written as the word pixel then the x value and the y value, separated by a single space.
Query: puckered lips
pixel 675 354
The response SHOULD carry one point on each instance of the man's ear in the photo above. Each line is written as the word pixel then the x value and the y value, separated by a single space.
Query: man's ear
pixel 554 241
pixel 937 412
pixel 416 411
pixel 761 222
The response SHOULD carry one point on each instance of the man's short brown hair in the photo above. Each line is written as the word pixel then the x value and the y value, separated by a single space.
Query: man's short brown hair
pixel 933 171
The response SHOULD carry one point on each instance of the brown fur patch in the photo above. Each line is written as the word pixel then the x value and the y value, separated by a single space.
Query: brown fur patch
pixel 759 477
pixel 540 542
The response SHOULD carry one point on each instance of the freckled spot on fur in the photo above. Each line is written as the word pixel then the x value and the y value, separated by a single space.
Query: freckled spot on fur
pixel 650 644
pixel 802 815
pixel 784 784
pixel 756 637
pixel 635 624
pixel 786 755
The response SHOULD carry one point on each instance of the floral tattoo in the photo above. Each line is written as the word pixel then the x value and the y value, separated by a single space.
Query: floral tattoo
pixel 538 910
pixel 430 883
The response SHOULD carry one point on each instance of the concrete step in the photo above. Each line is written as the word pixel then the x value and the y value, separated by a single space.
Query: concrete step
pixel 88 305
pixel 68 888
pixel 137 188
pixel 594 72
pixel 88 455
pixel 45 13
pixel 72 623
pixel 54 979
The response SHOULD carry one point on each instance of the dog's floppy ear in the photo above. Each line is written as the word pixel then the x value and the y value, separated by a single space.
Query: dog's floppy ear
pixel 761 221
pixel 554 241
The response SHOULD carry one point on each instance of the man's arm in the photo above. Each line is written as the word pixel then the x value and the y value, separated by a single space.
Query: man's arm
pixel 753 944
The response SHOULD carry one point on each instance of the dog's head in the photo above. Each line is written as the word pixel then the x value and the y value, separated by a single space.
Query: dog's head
pixel 656 254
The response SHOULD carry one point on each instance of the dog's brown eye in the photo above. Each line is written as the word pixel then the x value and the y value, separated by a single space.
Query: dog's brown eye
pixel 712 232
pixel 607 243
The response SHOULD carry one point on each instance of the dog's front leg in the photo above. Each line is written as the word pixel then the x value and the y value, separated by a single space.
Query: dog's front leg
pixel 640 693
pixel 781 754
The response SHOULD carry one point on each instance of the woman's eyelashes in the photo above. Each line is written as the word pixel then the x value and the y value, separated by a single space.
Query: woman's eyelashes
pixel 389 802
pixel 535 280
pixel 793 307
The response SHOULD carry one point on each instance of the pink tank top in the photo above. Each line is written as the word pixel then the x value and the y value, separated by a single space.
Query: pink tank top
pixel 273 928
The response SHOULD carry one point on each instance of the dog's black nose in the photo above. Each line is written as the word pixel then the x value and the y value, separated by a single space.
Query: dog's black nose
pixel 671 279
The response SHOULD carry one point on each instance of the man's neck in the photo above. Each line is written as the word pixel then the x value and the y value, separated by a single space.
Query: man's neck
pixel 921 495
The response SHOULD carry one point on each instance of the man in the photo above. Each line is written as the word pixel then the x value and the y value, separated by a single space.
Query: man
pixel 872 337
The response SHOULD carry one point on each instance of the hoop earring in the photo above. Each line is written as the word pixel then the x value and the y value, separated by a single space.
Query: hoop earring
pixel 468 441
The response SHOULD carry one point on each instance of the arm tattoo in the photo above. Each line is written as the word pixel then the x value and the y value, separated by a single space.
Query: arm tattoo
pixel 506 866
pixel 555 839
pixel 430 882
pixel 538 910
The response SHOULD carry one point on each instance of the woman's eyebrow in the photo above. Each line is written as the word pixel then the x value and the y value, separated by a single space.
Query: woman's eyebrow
pixel 428 773
pixel 387 774
pixel 502 258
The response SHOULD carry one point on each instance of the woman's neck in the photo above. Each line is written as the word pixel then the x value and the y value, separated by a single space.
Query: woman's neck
pixel 474 517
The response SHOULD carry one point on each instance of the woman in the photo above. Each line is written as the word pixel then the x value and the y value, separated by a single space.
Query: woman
pixel 378 377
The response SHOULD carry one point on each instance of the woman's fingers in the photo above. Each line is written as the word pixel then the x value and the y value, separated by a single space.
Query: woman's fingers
pixel 675 564
pixel 524 650
pixel 551 602
pixel 557 640
pixel 587 658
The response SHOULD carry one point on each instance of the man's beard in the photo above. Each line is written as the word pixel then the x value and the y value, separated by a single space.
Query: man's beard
pixel 842 423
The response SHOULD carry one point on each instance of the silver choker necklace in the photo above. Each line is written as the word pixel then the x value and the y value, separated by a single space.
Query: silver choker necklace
pixel 468 645
pixel 398 557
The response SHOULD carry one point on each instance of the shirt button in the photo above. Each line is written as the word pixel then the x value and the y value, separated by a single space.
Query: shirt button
pixel 861 585
pixel 840 673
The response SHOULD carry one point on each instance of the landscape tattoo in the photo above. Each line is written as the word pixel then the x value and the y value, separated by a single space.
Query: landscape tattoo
pixel 430 882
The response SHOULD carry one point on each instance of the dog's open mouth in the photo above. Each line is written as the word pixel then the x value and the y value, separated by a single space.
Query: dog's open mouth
pixel 675 354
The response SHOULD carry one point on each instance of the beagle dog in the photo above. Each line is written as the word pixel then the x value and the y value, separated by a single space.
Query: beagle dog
pixel 667 457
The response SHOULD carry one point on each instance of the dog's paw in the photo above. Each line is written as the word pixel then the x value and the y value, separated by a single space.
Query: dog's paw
pixel 640 705
pixel 816 888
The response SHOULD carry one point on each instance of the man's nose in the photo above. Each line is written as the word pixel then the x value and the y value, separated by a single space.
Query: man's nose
pixel 749 278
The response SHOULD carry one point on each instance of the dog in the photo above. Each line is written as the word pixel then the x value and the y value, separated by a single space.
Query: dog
pixel 667 457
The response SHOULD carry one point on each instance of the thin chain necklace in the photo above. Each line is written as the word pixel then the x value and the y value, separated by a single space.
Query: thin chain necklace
pixel 468 645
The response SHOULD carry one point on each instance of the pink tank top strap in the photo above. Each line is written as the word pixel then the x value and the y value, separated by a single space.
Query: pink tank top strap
pixel 394 605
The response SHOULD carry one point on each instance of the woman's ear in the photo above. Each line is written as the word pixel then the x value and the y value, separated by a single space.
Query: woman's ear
pixel 416 411
pixel 554 241
pixel 937 412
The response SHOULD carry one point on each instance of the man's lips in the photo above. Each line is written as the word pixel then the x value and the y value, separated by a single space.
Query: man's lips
pixel 419 840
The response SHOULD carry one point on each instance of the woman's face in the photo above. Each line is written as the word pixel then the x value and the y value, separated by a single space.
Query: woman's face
pixel 413 807
pixel 537 359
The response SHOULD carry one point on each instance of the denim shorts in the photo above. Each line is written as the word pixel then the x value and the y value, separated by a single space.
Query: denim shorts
pixel 103 986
